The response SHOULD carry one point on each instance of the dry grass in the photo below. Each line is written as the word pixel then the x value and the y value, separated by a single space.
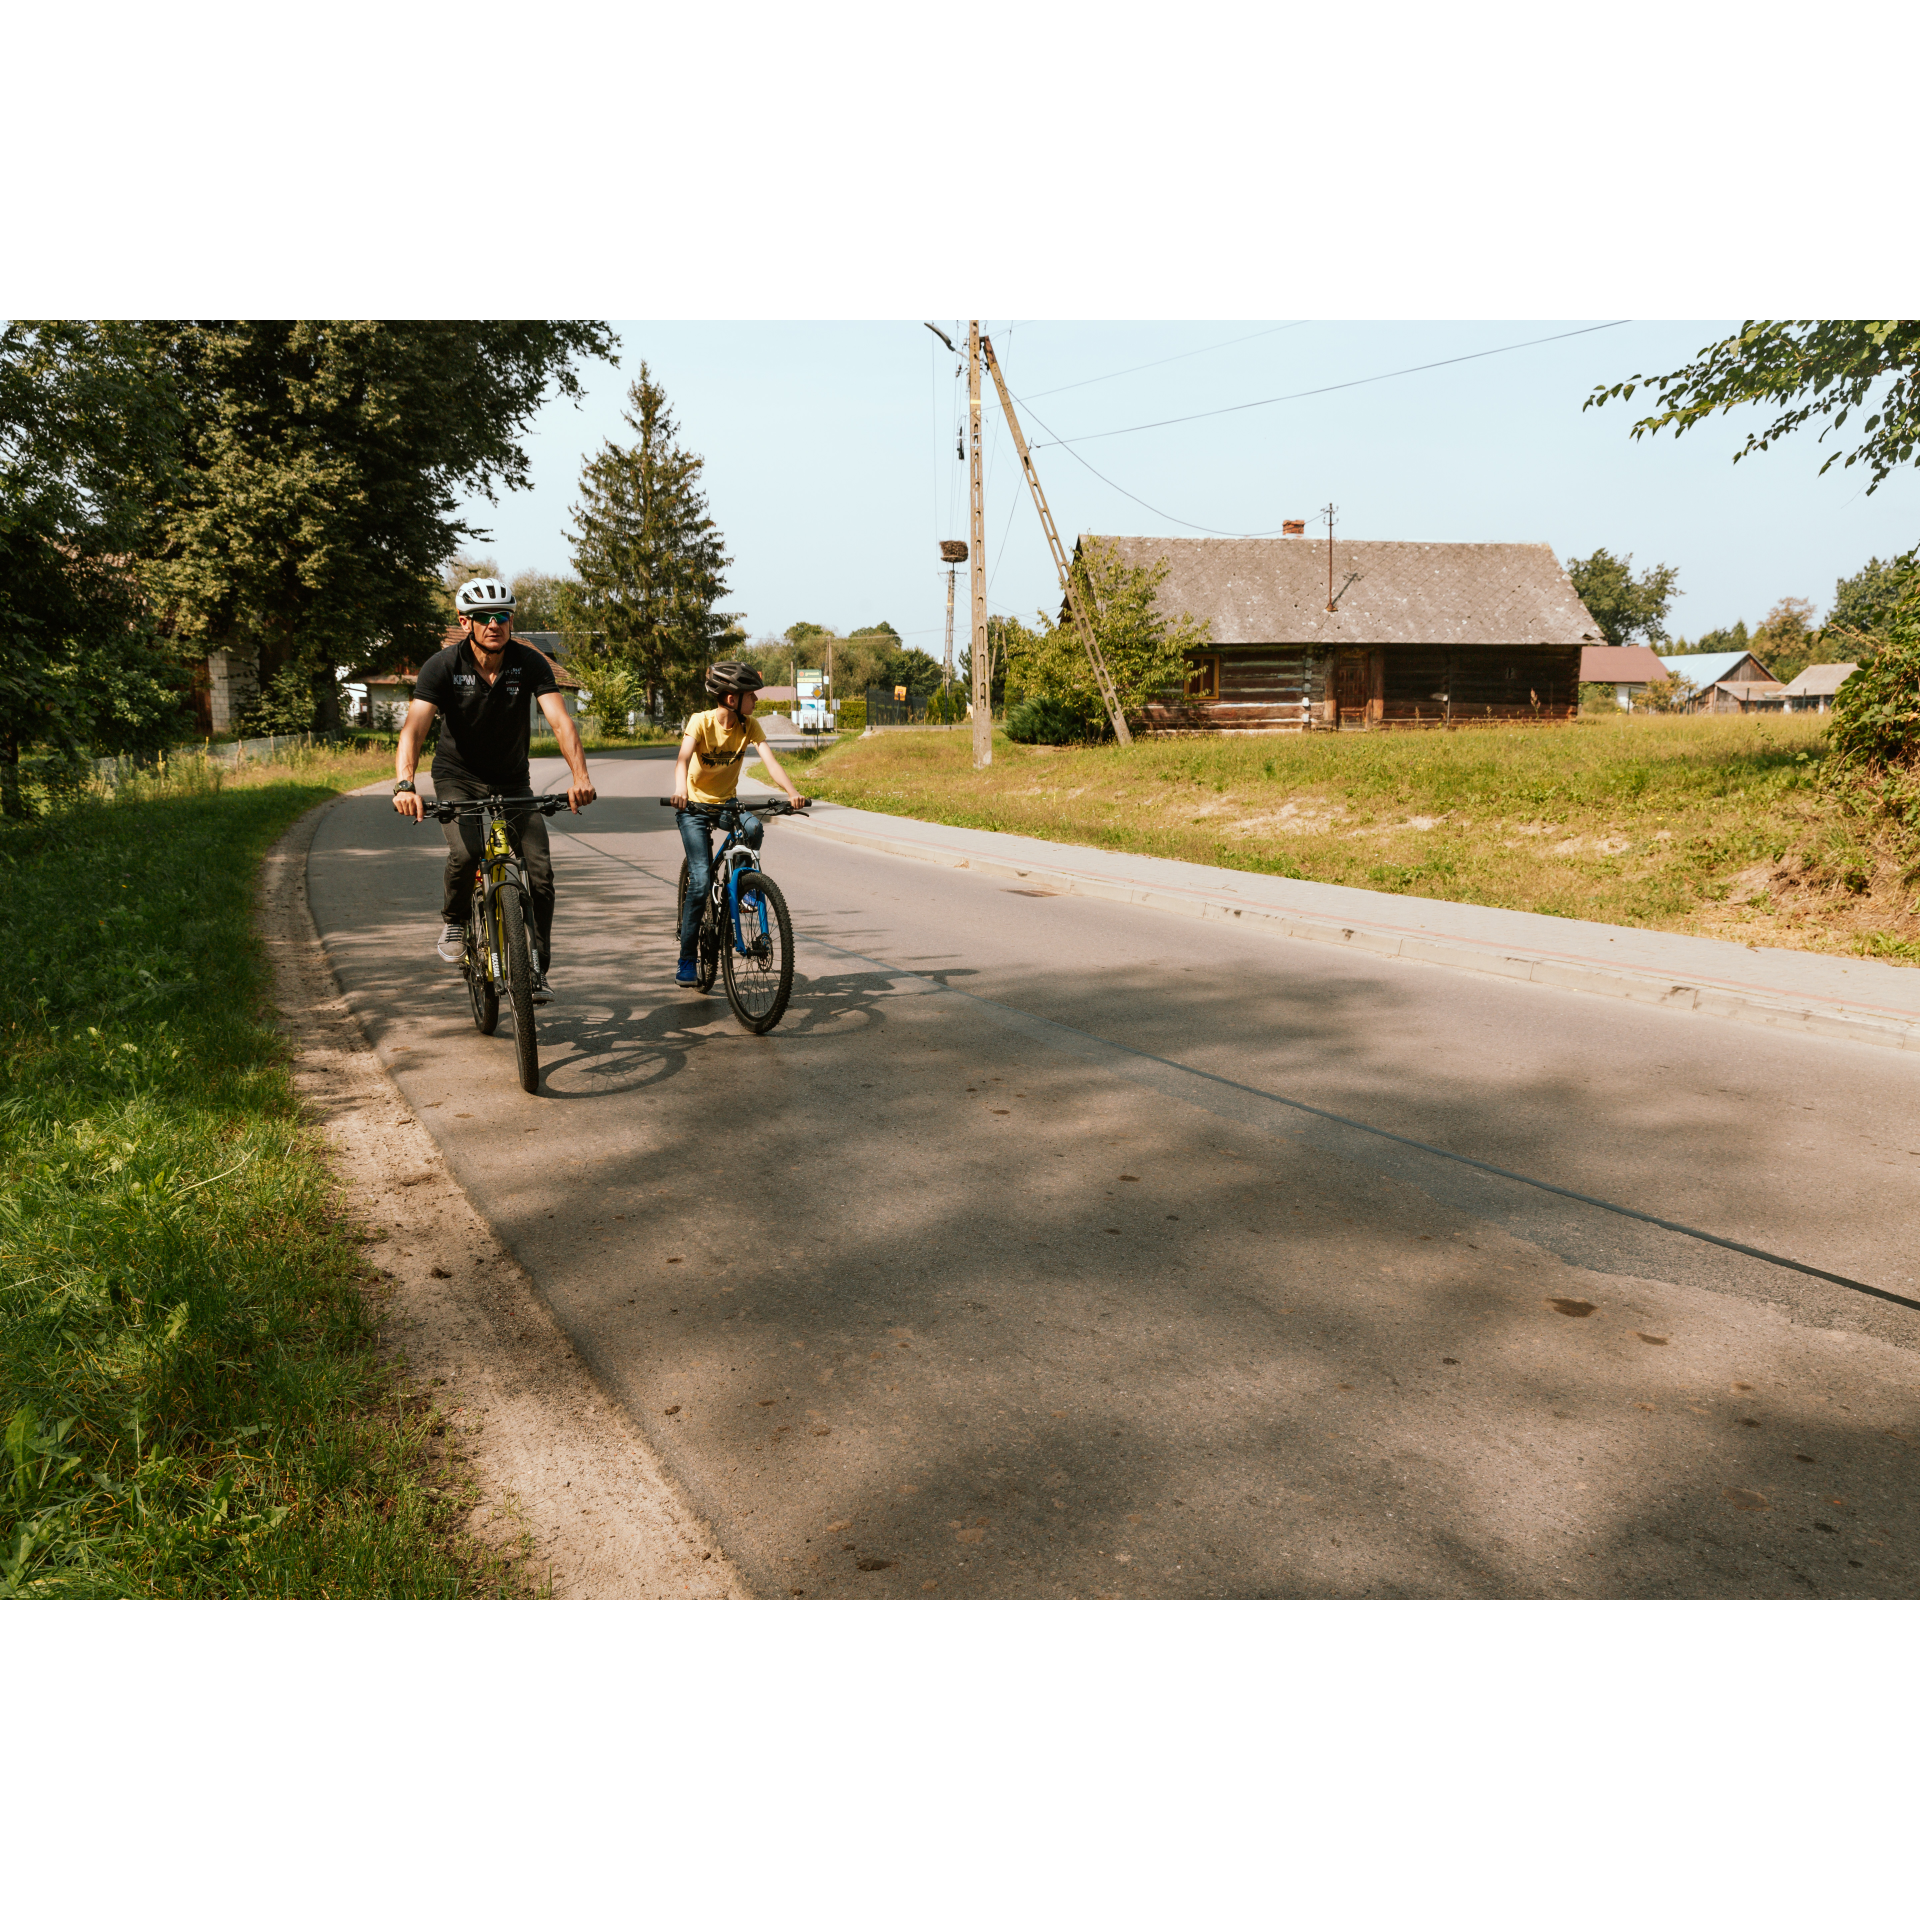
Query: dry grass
pixel 1727 827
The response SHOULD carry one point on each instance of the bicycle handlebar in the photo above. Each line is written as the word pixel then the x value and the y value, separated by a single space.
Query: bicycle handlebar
pixel 736 806
pixel 452 809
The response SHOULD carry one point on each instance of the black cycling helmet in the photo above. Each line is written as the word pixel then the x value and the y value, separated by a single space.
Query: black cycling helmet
pixel 734 676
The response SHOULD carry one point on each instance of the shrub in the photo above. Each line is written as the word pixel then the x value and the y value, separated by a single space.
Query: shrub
pixel 1044 721
pixel 1876 713
pixel 284 705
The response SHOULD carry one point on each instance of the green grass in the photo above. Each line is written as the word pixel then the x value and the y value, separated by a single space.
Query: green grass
pixel 190 1393
pixel 1702 825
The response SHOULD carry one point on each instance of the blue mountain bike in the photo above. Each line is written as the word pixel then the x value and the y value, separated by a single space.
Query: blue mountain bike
pixel 745 936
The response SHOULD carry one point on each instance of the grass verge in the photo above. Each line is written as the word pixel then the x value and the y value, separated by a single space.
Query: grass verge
pixel 1728 827
pixel 191 1396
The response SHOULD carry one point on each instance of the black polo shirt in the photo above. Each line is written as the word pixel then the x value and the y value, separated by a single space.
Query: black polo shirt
pixel 484 729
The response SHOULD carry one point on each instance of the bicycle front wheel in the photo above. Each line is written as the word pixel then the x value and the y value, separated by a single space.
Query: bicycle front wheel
pixel 760 980
pixel 513 942
pixel 481 991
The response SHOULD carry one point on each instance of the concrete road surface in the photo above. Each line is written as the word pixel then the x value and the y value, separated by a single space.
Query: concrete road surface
pixel 1014 1263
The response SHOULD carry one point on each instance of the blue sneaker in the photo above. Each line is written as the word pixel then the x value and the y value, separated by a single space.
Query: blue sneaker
pixel 686 977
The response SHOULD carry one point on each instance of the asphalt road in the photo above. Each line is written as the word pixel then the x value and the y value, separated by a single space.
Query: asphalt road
pixel 1013 1264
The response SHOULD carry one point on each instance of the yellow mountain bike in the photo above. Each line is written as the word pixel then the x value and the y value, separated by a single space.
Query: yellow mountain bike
pixel 500 954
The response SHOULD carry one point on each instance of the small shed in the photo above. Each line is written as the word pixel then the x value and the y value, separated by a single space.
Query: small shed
pixel 1813 688
pixel 1622 668
pixel 1725 682
pixel 1402 634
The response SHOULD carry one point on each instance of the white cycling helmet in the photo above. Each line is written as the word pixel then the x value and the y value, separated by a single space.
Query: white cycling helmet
pixel 480 593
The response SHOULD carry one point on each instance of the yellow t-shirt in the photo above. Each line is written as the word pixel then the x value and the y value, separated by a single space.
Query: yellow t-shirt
pixel 720 744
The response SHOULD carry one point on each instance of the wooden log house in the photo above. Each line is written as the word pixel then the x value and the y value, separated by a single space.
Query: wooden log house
pixel 1422 634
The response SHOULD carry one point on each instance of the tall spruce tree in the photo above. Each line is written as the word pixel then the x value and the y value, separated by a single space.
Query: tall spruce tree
pixel 650 560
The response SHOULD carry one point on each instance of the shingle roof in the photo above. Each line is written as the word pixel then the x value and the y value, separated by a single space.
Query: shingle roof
pixel 1386 592
pixel 1821 679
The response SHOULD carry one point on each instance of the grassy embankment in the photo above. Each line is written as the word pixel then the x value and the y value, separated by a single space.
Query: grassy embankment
pixel 1725 827
pixel 190 1393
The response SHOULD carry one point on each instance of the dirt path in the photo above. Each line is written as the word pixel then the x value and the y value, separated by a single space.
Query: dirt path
pixel 562 1471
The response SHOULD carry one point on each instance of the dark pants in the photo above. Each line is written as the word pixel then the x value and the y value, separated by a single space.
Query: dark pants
pixel 696 835
pixel 467 840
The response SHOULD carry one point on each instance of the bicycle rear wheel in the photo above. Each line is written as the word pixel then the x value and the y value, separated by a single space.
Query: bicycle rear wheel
pixel 759 981
pixel 481 991
pixel 513 942
pixel 707 956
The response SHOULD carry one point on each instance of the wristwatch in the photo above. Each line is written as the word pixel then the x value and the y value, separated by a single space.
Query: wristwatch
pixel 403 786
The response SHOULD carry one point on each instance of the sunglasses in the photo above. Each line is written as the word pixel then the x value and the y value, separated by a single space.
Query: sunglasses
pixel 489 619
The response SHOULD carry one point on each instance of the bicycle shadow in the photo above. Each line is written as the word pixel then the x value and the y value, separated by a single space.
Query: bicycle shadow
pixel 623 1040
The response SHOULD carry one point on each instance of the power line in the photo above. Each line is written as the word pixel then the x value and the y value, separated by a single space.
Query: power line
pixel 1066 446
pixel 1218 346
pixel 1339 386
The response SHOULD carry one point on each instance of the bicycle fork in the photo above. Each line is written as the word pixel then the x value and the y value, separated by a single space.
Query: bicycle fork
pixel 734 872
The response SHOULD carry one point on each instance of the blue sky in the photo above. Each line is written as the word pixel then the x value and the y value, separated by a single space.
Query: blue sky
pixel 831 469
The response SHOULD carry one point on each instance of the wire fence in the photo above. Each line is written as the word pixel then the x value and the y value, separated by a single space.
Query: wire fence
pixel 114 768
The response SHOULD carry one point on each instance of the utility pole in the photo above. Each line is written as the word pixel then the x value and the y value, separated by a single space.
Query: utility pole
pixel 1326 514
pixel 976 569
pixel 1102 678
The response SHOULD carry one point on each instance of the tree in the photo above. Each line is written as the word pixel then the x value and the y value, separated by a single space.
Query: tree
pixel 85 439
pixel 320 470
pixel 1146 653
pixel 1870 600
pixel 650 561
pixel 536 601
pixel 1788 639
pixel 867 657
pixel 1627 611
pixel 1826 369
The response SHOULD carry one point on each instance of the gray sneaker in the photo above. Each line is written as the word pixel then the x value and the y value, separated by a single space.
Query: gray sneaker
pixel 452 943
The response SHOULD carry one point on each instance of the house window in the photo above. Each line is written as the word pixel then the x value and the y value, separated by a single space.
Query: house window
pixel 1203 676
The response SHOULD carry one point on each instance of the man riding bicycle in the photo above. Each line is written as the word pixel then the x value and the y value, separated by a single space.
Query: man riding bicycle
pixel 707 774
pixel 484 688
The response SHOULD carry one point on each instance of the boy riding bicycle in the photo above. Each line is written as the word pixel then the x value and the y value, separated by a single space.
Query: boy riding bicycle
pixel 707 774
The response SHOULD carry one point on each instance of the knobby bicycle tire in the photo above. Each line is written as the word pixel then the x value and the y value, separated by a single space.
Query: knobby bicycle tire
pixel 706 961
pixel 759 981
pixel 481 992
pixel 513 943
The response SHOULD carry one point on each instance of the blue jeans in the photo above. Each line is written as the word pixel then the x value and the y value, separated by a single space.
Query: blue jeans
pixel 696 835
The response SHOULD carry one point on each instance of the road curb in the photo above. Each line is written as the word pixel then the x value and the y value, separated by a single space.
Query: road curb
pixel 1811 1014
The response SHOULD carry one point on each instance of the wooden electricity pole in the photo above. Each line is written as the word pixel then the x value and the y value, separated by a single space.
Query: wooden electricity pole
pixel 977 568
pixel 1102 678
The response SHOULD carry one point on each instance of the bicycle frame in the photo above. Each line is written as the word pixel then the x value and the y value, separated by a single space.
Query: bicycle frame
pixel 500 867
pixel 724 892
